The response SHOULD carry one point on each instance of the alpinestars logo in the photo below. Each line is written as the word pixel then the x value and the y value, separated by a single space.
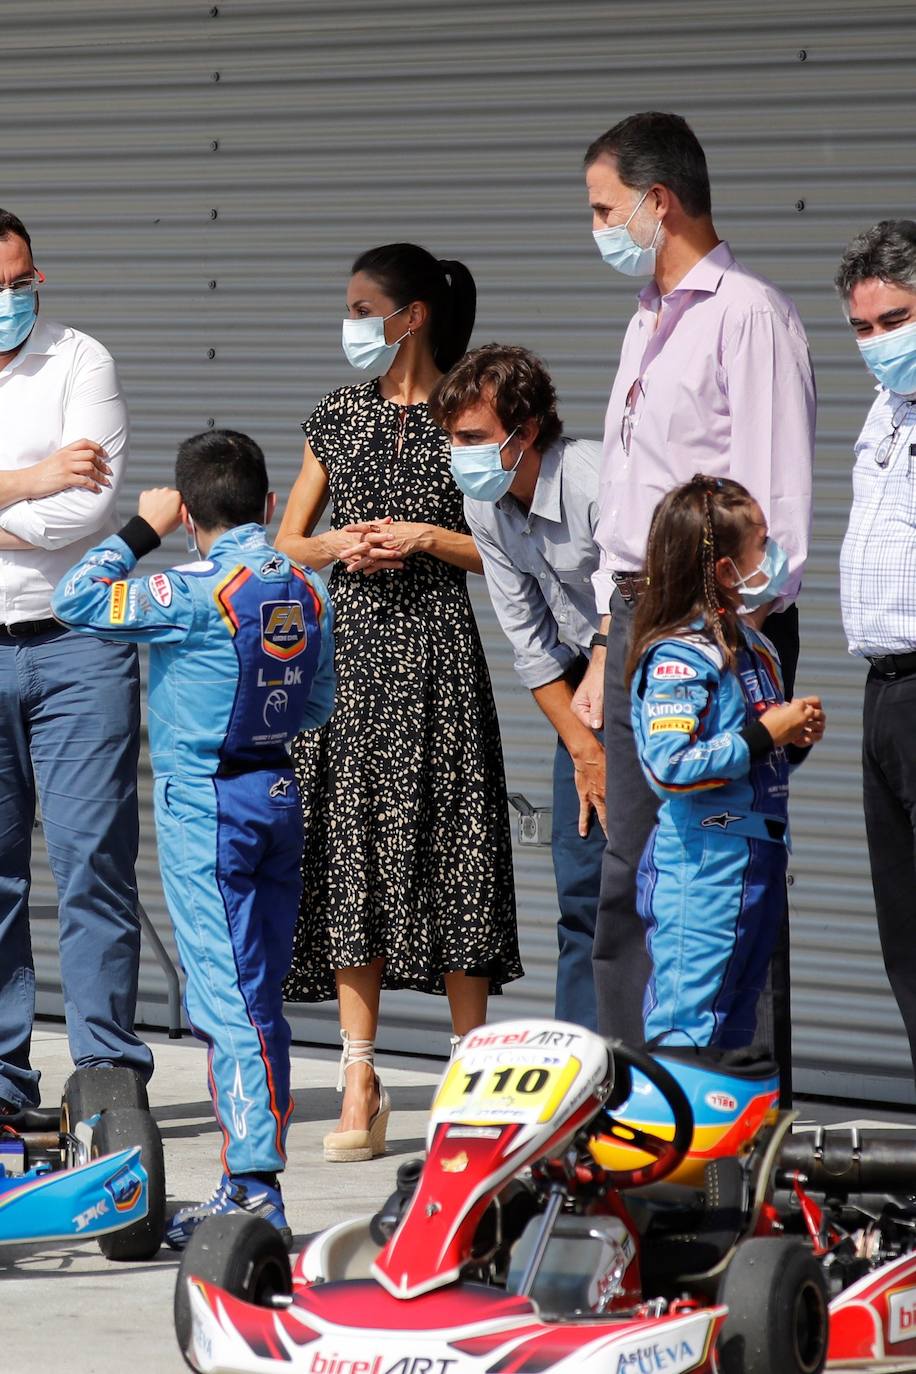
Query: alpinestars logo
pixel 241 1105
pixel 720 822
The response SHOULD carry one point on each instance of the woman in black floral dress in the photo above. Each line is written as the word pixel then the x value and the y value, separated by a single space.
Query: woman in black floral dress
pixel 407 870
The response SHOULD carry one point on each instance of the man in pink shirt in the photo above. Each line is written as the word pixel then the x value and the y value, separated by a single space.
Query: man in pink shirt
pixel 714 377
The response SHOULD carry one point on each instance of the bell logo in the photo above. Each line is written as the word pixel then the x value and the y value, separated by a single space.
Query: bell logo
pixel 672 670
pixel 282 629
pixel 901 1315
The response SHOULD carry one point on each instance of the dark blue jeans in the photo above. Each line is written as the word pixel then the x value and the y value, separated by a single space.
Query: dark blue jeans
pixel 577 866
pixel 69 721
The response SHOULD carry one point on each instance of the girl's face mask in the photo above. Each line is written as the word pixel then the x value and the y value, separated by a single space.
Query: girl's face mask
pixel 769 578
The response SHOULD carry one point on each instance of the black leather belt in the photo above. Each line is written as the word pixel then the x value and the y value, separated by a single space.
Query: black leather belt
pixel 25 629
pixel 630 585
pixel 892 666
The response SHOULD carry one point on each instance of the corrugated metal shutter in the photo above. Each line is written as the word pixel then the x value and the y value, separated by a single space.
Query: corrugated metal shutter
pixel 198 179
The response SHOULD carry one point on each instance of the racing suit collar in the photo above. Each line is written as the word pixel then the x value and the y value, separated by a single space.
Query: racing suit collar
pixel 251 536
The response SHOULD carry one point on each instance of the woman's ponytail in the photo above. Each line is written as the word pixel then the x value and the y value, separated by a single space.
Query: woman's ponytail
pixel 451 338
pixel 406 272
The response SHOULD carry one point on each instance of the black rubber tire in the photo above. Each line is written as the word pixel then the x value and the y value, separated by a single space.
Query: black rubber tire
pixel 89 1091
pixel 243 1254
pixel 777 1319
pixel 118 1130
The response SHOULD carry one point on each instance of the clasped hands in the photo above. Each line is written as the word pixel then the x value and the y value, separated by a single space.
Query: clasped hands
pixel 800 721
pixel 371 546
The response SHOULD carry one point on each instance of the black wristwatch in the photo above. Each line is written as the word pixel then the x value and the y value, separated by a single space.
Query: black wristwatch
pixel 599 641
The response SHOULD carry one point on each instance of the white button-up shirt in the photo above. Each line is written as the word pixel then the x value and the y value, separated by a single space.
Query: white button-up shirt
pixel 62 385
pixel 878 558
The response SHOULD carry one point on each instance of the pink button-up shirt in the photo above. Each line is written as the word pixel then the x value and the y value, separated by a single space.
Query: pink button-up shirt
pixel 714 377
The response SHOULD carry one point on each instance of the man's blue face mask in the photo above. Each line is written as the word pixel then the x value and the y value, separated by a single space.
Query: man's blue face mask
pixel 891 358
pixel 619 249
pixel 17 317
pixel 478 469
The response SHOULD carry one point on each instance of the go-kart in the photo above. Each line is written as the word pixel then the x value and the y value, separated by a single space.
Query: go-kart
pixel 540 1233
pixel 92 1171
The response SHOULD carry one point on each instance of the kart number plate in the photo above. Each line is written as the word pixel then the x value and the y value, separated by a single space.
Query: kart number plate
pixel 478 1093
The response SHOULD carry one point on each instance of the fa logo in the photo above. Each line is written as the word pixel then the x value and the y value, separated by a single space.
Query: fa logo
pixel 282 629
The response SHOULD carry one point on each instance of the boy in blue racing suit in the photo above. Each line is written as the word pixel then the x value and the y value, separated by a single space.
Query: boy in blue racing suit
pixel 241 659
pixel 717 741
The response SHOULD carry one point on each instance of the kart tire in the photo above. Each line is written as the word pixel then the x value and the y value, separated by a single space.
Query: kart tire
pixel 90 1091
pixel 777 1310
pixel 119 1130
pixel 243 1254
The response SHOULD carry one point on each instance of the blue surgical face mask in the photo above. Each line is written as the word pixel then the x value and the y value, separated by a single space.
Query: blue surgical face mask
pixel 17 318
pixel 775 567
pixel 891 358
pixel 619 249
pixel 364 341
pixel 479 472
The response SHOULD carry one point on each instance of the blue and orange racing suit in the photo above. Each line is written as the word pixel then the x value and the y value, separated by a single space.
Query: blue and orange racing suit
pixel 241 658
pixel 711 882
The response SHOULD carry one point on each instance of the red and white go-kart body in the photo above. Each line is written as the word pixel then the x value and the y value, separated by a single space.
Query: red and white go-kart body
pixel 463 1285
pixel 514 1094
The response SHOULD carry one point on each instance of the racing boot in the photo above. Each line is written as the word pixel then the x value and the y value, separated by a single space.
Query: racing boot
pixel 236 1193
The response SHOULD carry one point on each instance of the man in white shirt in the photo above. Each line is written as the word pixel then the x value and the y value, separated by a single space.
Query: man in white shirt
pixel 877 283
pixel 69 707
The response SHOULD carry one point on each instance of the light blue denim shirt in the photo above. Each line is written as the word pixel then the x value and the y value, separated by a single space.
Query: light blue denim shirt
pixel 539 563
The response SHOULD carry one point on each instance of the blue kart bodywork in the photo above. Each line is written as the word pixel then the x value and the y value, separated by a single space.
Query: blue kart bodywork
pixel 104 1195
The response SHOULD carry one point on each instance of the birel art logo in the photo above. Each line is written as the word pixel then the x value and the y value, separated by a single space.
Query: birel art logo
pixel 661 1357
pixel 721 1102
pixel 479 1040
pixel 901 1312
pixel 333 1363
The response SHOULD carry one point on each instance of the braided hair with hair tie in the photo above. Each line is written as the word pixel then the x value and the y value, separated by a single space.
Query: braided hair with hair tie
pixel 694 527
pixel 708 553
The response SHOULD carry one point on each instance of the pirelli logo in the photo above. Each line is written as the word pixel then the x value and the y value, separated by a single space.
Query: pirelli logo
pixel 117 603
pixel 684 724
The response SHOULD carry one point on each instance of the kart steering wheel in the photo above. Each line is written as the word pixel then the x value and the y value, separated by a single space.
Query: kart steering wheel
pixel 666 1154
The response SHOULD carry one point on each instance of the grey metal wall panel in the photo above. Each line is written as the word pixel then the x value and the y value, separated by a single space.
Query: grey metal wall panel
pixel 155 149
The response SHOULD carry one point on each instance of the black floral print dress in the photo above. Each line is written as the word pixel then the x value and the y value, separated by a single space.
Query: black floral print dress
pixel 407 849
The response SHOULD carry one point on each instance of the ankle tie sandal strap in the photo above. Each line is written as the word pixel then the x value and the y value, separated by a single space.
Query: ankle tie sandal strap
pixel 354 1052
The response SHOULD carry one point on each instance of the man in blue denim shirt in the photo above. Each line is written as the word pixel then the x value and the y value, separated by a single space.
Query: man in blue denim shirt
pixel 531 505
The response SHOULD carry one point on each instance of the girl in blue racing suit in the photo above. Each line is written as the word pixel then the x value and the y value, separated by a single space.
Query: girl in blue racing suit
pixel 717 741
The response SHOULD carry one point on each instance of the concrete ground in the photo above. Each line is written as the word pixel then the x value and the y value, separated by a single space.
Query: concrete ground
pixel 64 1306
